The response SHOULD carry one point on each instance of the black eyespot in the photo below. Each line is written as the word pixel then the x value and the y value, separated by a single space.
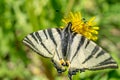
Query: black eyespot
pixel 67 64
pixel 63 64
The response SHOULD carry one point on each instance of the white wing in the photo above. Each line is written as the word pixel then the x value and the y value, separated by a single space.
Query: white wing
pixel 44 42
pixel 86 55
pixel 47 43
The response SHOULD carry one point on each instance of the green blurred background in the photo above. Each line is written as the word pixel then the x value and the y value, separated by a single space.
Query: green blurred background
pixel 20 17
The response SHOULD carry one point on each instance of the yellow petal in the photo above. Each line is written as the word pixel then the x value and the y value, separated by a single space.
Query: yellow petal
pixel 71 15
pixel 87 29
pixel 92 19
pixel 63 20
pixel 95 28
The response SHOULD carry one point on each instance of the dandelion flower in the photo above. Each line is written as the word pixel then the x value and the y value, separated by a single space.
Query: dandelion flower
pixel 79 25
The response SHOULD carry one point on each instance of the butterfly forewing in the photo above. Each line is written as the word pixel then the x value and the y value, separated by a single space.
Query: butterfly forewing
pixel 44 42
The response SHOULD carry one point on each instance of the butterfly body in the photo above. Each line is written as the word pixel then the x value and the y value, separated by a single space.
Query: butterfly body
pixel 67 48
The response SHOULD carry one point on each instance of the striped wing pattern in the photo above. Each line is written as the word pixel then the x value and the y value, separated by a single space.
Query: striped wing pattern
pixel 86 55
pixel 82 53
pixel 47 43
pixel 44 42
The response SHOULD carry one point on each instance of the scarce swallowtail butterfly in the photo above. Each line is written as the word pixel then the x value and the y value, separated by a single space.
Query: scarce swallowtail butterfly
pixel 67 48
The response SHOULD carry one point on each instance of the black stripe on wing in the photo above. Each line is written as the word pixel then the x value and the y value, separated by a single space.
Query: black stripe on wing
pixel 50 33
pixel 88 41
pixel 81 42
pixel 45 34
pixel 29 43
pixel 107 63
pixel 91 54
pixel 41 43
pixel 102 52
pixel 33 36
pixel 72 37
pixel 59 31
pixel 70 43
pixel 51 36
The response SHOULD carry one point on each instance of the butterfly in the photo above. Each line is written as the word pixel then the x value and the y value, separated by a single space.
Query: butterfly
pixel 67 48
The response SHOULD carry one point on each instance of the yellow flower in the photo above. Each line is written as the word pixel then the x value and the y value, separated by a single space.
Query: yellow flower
pixel 79 25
